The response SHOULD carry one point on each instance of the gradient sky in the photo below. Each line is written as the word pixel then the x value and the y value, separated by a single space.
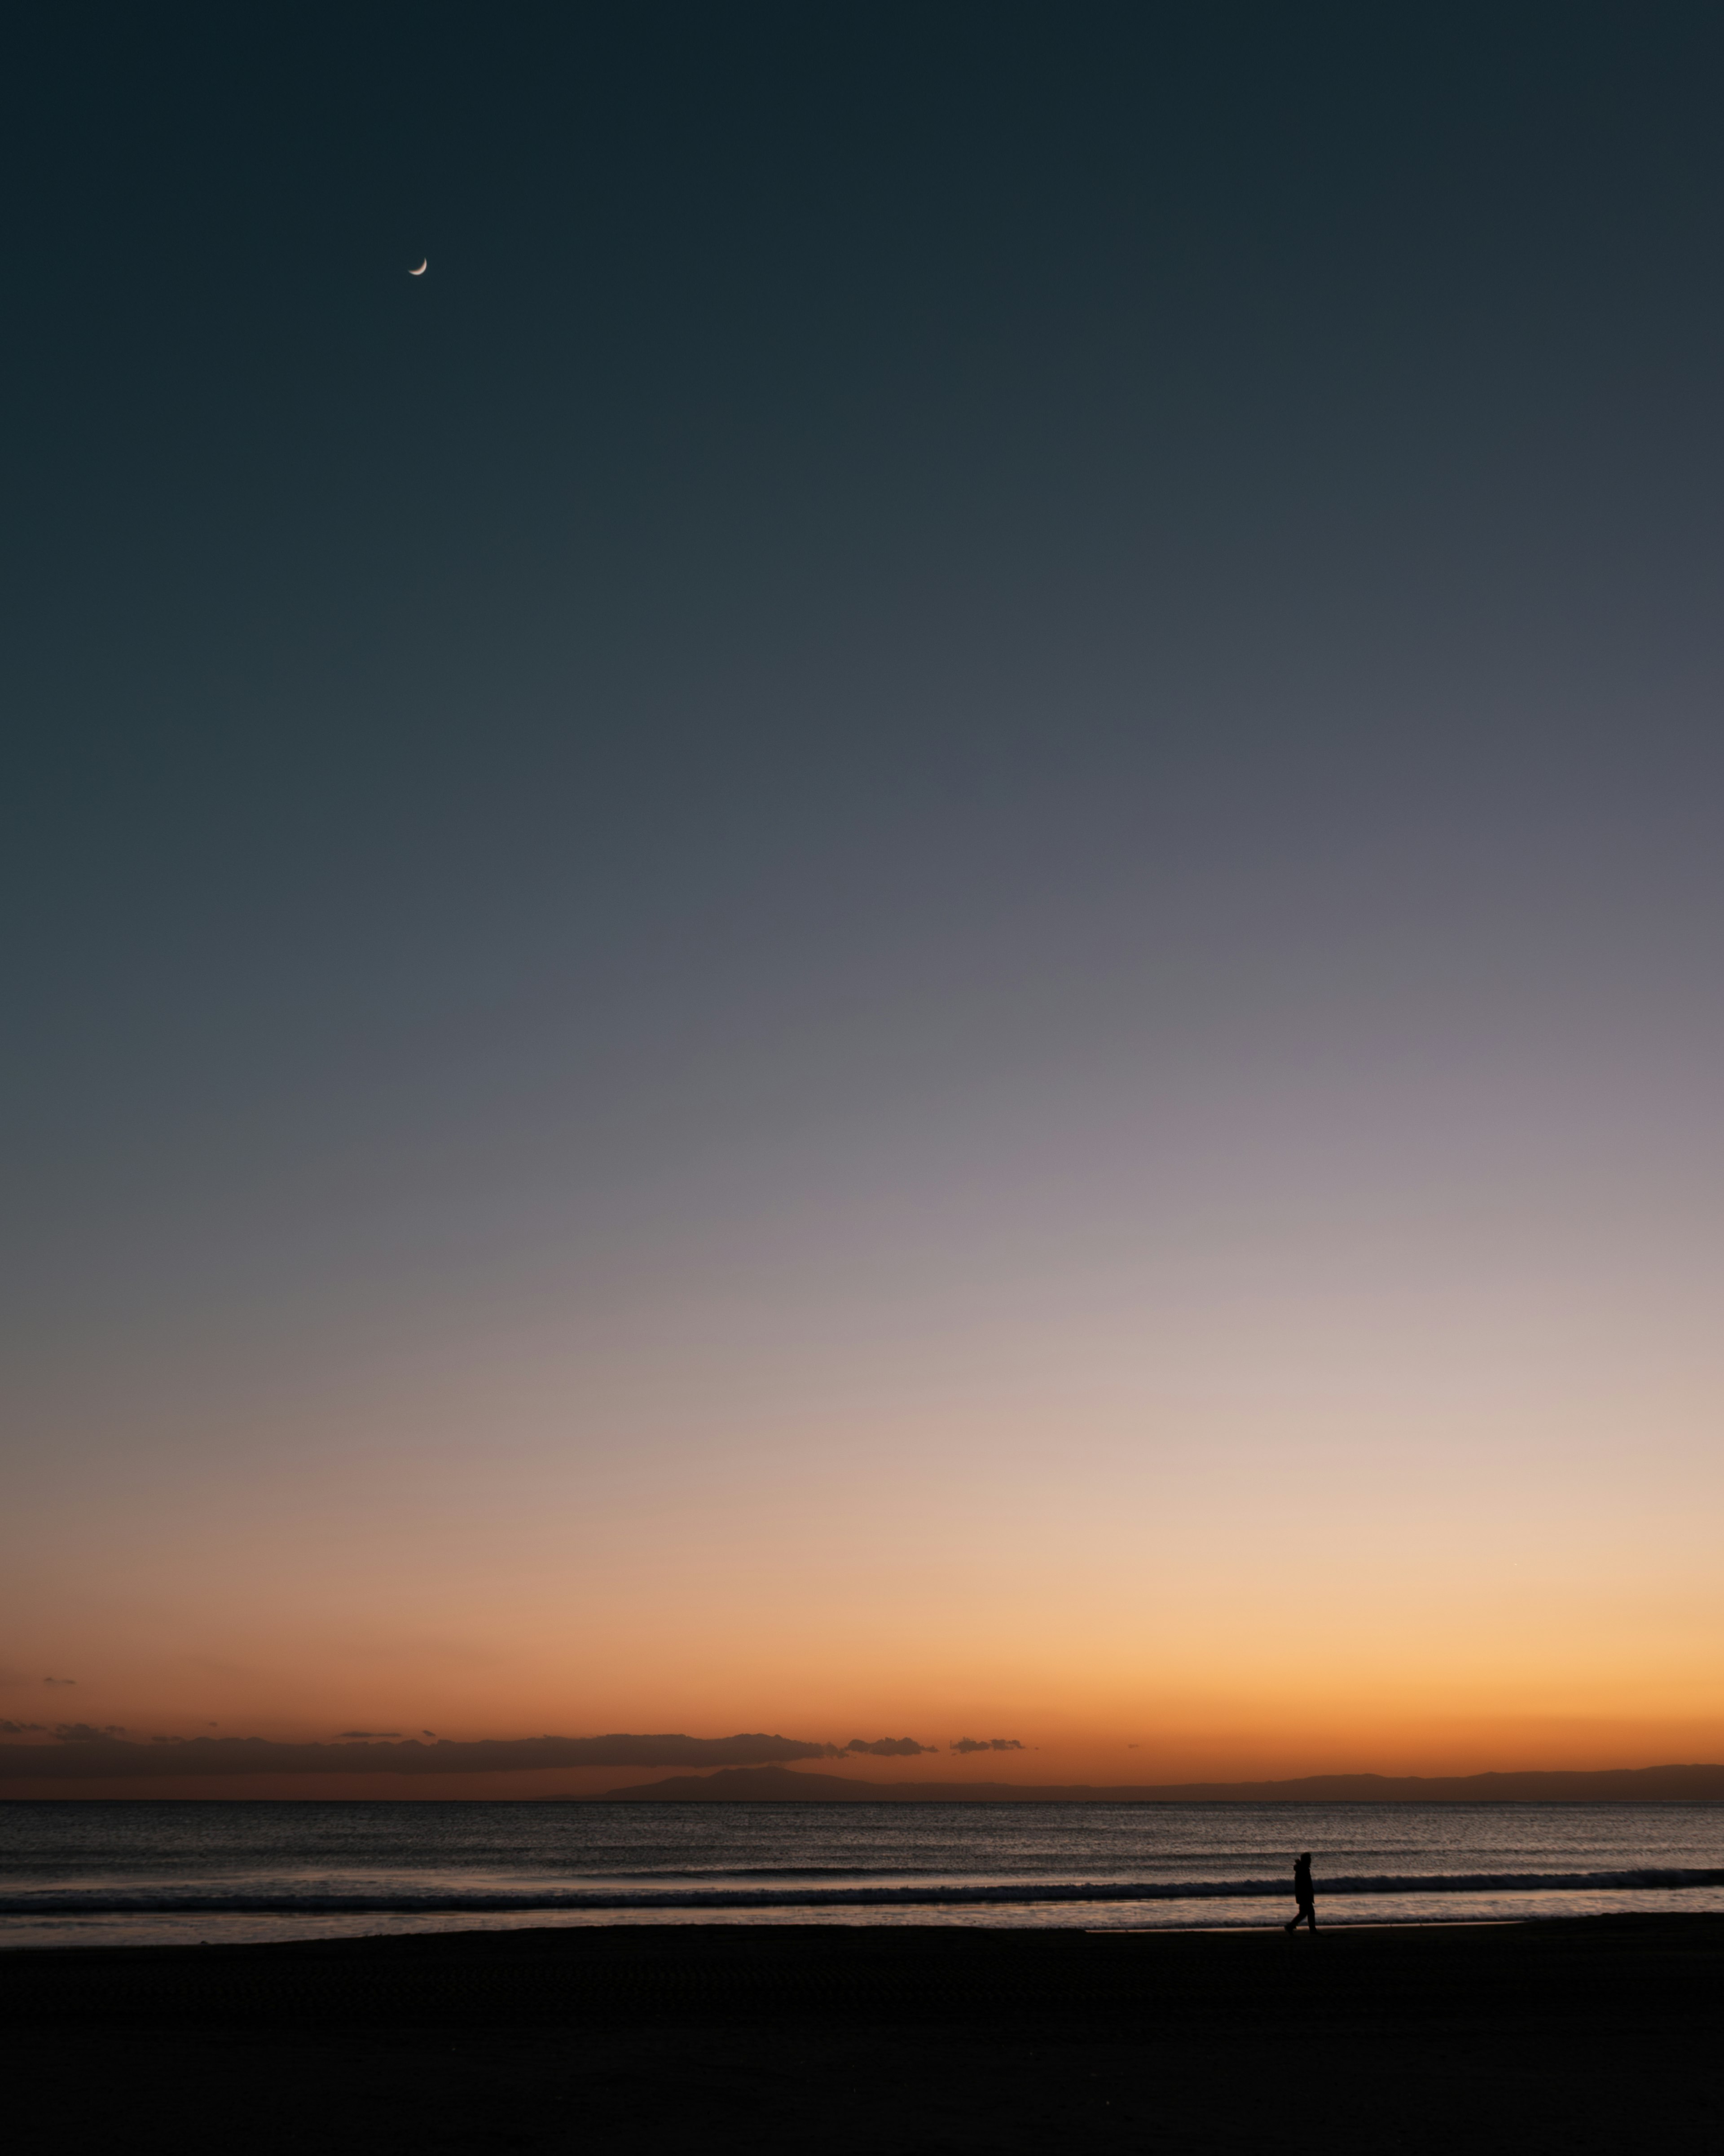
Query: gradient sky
pixel 911 922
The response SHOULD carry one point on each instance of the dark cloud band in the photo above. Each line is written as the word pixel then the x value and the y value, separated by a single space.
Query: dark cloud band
pixel 85 1754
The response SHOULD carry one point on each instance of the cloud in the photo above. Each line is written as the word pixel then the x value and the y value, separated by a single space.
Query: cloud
pixel 369 1735
pixel 105 1755
pixel 889 1747
pixel 59 1681
pixel 20 1728
pixel 988 1744
pixel 427 1733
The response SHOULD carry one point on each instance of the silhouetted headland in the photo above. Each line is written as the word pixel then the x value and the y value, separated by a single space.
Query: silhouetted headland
pixel 787 1785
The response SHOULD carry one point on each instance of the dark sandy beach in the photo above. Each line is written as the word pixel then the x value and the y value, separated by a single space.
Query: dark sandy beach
pixel 1597 2034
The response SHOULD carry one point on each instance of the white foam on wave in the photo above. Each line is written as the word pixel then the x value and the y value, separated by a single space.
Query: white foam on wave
pixel 237 1900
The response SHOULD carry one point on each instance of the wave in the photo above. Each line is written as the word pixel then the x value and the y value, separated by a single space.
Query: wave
pixel 106 1900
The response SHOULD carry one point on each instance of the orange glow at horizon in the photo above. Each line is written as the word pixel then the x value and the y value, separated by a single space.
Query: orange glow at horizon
pixel 1381 1499
pixel 1131 1611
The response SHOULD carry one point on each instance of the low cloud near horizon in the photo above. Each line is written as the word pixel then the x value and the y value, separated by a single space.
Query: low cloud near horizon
pixel 988 1744
pixel 79 1751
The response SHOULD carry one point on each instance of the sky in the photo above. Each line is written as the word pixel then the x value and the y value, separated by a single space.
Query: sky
pixel 908 924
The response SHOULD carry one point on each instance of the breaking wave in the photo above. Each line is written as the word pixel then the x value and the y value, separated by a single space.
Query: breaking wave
pixel 371 1901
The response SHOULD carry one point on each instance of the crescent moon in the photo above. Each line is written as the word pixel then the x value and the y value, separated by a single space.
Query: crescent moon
pixel 422 268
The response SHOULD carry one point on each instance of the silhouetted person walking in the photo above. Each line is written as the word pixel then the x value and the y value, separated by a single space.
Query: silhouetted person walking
pixel 1303 1894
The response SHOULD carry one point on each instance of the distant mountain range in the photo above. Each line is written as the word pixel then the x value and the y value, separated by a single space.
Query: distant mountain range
pixel 787 1785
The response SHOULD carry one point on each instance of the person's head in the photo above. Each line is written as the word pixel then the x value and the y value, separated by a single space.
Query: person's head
pixel 1304 1856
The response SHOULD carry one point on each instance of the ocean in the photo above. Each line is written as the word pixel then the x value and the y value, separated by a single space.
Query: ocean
pixel 89 1873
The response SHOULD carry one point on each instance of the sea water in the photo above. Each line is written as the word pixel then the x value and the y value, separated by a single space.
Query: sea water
pixel 104 1872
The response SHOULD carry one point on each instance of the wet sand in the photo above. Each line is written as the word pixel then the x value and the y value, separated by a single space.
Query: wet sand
pixel 1603 2033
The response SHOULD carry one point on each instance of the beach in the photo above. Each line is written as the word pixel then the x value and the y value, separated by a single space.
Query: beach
pixel 1600 2033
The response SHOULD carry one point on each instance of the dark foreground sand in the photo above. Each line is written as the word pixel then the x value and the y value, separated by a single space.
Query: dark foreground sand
pixel 1602 2034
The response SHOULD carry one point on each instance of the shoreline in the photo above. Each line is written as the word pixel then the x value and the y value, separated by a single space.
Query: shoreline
pixel 915 1919
pixel 819 1922
pixel 592 1940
